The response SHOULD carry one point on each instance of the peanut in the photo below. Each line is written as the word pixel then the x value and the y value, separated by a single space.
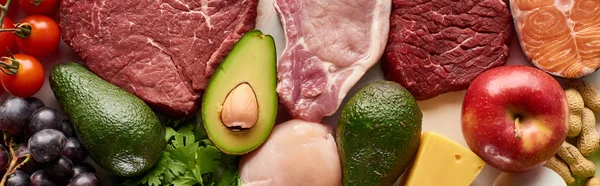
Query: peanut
pixel 575 109
pixel 580 166
pixel 594 181
pixel 588 93
pixel 589 139
pixel 560 167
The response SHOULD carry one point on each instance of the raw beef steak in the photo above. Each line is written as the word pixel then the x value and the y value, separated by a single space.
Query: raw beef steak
pixel 164 51
pixel 330 45
pixel 438 46
pixel 560 38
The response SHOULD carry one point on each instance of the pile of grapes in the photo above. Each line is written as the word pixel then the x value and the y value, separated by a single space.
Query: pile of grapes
pixel 40 148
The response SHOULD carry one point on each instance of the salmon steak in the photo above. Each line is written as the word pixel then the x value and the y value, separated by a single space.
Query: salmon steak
pixel 561 37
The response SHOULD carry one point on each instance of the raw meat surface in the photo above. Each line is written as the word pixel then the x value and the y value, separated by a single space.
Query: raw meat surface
pixel 162 51
pixel 329 46
pixel 298 153
pixel 561 37
pixel 440 46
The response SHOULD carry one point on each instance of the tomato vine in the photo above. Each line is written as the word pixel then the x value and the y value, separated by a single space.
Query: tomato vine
pixel 4 10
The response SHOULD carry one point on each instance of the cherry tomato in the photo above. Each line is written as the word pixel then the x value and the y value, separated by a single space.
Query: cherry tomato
pixel 45 7
pixel 13 9
pixel 27 80
pixel 43 39
pixel 7 39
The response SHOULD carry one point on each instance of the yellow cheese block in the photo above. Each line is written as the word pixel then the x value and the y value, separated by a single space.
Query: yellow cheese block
pixel 443 162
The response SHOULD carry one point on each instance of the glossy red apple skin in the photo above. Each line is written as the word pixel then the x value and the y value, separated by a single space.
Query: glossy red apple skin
pixel 492 103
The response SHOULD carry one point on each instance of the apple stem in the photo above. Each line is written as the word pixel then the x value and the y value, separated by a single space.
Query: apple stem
pixel 517 128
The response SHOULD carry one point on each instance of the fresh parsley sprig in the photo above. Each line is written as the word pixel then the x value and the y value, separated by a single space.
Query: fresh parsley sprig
pixel 190 159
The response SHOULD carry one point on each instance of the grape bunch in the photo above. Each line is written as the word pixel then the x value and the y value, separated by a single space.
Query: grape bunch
pixel 40 147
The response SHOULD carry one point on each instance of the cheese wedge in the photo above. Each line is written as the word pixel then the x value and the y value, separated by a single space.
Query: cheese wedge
pixel 441 161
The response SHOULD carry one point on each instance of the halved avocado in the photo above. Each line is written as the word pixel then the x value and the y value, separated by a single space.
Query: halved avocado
pixel 239 106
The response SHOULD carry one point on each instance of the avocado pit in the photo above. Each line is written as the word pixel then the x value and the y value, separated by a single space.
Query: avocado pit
pixel 240 109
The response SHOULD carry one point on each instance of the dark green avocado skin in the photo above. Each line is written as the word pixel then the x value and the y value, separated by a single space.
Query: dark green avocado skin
pixel 120 132
pixel 378 134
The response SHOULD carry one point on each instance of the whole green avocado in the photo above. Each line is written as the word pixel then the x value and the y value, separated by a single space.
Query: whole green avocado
pixel 120 132
pixel 378 134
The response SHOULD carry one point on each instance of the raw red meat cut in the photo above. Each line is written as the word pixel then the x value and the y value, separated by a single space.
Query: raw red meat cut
pixel 329 46
pixel 162 51
pixel 438 46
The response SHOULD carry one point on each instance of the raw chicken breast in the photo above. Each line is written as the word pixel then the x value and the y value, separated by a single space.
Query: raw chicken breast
pixel 298 153
pixel 561 37
pixel 329 46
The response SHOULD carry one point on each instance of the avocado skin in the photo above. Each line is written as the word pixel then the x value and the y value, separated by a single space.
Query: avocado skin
pixel 119 131
pixel 263 82
pixel 378 134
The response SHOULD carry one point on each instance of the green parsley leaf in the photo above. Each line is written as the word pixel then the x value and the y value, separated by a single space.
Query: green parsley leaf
pixel 207 159
pixel 190 159
pixel 185 181
pixel 158 174
pixel 228 178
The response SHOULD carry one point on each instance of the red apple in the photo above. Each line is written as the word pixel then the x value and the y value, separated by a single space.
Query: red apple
pixel 515 117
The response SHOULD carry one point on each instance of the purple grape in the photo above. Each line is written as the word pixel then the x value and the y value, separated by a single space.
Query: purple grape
pixel 60 168
pixel 41 178
pixel 18 178
pixel 45 145
pixel 3 159
pixel 73 150
pixel 67 128
pixel 31 165
pixel 14 115
pixel 21 149
pixel 43 118
pixel 85 179
pixel 34 103
pixel 83 168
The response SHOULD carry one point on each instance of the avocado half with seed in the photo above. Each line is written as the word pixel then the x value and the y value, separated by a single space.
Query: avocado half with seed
pixel 239 106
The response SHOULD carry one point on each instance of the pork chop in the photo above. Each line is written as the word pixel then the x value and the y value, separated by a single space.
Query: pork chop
pixel 163 51
pixel 329 46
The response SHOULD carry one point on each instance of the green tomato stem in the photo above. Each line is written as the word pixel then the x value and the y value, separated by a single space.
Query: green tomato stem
pixel 4 10
pixel 23 30
pixel 9 69
pixel 8 30
pixel 37 2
